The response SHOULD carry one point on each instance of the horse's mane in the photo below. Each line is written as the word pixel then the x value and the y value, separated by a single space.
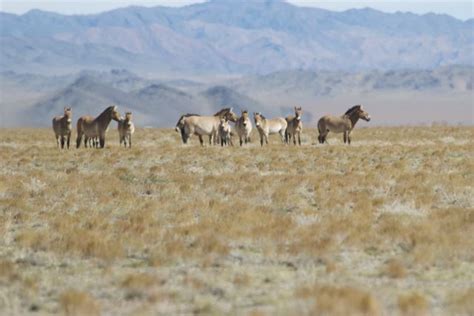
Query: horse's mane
pixel 352 109
pixel 263 117
pixel 222 112
pixel 105 112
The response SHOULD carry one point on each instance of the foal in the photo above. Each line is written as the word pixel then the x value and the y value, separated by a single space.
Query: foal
pixel 62 126
pixel 295 126
pixel 126 128
pixel 225 132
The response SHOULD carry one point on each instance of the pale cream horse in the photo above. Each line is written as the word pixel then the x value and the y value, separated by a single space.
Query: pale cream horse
pixel 295 126
pixel 91 127
pixel 126 128
pixel 243 127
pixel 62 126
pixel 268 127
pixel 203 125
pixel 341 124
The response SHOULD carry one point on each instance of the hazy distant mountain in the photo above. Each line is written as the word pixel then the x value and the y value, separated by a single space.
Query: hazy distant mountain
pixel 221 96
pixel 161 102
pixel 222 36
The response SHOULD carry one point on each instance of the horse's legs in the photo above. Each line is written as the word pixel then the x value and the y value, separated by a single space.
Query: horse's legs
pixel 62 141
pixel 241 142
pixel 349 138
pixel 102 141
pixel 78 140
pixel 57 140
pixel 345 137
pixel 294 139
pixel 261 139
pixel 202 140
pixel 86 140
pixel 299 138
pixel 68 140
pixel 130 141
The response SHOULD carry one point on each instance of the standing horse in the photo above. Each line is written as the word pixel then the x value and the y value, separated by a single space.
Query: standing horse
pixel 203 125
pixel 295 126
pixel 96 127
pixel 225 132
pixel 267 127
pixel 341 124
pixel 126 128
pixel 62 126
pixel 243 127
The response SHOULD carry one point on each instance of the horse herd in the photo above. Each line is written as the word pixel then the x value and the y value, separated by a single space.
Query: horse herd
pixel 216 127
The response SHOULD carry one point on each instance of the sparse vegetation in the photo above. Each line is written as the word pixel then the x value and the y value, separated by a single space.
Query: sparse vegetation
pixel 170 228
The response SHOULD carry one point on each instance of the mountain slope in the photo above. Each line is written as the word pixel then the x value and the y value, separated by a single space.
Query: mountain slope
pixel 222 37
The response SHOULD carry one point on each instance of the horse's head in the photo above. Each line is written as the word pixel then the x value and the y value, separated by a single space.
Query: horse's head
pixel 231 116
pixel 258 117
pixel 114 113
pixel 298 113
pixel 128 118
pixel 363 114
pixel 245 117
pixel 68 114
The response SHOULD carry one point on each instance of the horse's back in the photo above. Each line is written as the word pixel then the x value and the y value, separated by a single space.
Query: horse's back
pixel 84 123
pixel 202 124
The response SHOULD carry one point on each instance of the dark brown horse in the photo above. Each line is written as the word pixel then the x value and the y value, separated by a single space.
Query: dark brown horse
pixel 96 127
pixel 341 124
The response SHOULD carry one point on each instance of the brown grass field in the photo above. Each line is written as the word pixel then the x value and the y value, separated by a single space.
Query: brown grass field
pixel 382 227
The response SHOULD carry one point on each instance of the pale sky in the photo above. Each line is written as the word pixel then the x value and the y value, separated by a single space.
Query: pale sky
pixel 460 9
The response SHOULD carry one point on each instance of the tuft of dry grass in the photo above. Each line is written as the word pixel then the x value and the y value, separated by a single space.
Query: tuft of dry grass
pixel 462 302
pixel 77 303
pixel 394 268
pixel 413 304
pixel 332 300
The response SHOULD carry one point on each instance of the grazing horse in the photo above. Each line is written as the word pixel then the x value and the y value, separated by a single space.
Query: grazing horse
pixel 295 126
pixel 180 125
pixel 267 127
pixel 96 127
pixel 243 127
pixel 62 126
pixel 225 132
pixel 341 124
pixel 204 125
pixel 126 128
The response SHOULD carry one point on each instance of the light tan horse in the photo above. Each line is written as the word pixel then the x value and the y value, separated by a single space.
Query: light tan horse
pixel 295 126
pixel 126 128
pixel 62 126
pixel 90 127
pixel 225 132
pixel 268 127
pixel 203 125
pixel 341 124
pixel 243 127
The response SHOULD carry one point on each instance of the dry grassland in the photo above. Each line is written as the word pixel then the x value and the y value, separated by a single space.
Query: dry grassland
pixel 382 227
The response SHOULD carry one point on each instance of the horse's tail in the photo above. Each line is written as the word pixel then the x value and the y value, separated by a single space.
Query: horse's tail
pixel 79 132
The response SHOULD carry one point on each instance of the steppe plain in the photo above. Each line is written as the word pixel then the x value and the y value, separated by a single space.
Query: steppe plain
pixel 381 227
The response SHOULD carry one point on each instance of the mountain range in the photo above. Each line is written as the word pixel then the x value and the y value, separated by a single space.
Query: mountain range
pixel 231 37
pixel 159 102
